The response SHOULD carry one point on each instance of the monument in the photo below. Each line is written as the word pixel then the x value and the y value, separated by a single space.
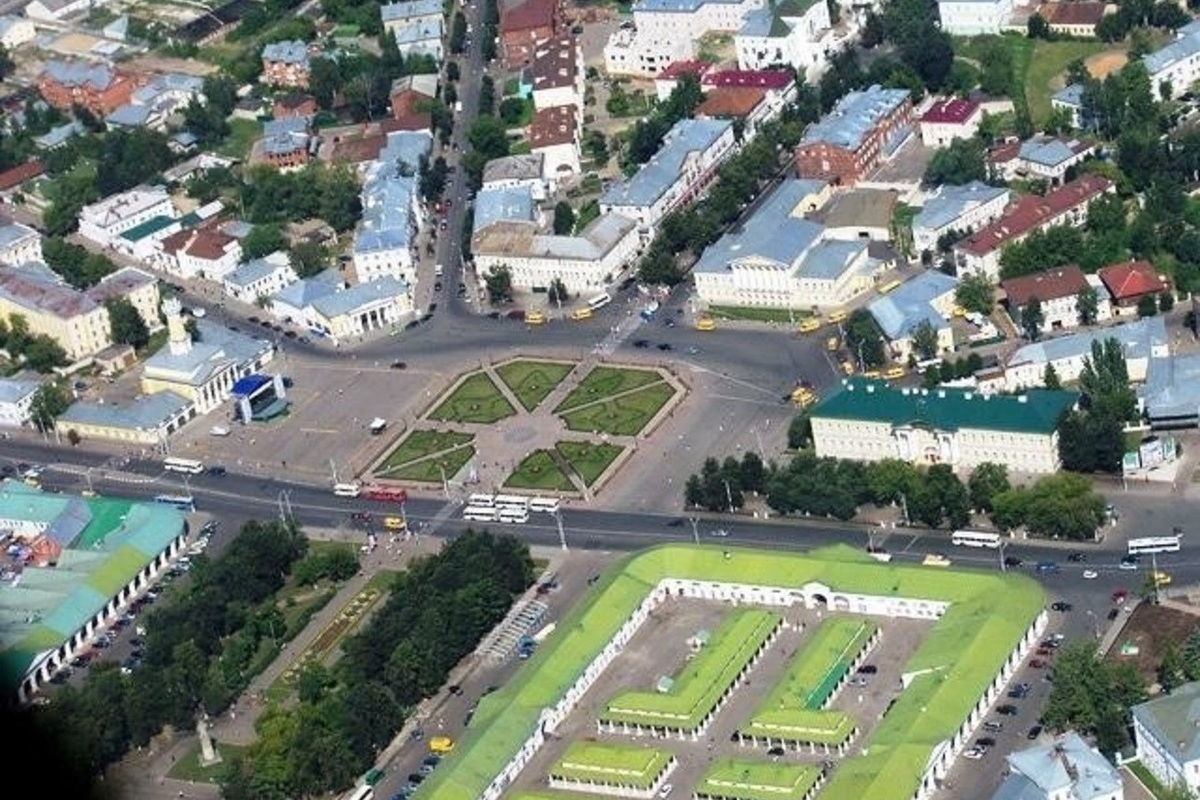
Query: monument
pixel 208 753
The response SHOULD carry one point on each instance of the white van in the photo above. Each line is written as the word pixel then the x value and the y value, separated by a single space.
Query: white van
pixel 438 271
pixel 219 430
pixel 347 489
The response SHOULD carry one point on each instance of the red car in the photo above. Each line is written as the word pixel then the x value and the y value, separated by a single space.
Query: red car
pixel 1037 663
pixel 1045 651
pixel 1120 596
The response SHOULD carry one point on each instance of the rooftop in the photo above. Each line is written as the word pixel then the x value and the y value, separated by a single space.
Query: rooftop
pixel 32 290
pixel 1174 721
pixel 120 284
pixel 949 203
pixel 360 296
pixel 425 85
pixel 14 391
pixel 677 6
pixel 1066 764
pixel 13 232
pixel 81 74
pixel 952 111
pixel 1051 284
pixel 253 271
pixel 12 178
pixel 217 347
pixel 902 310
pixel 412 9
pixel 1033 211
pixel 508 204
pixel 1167 56
pixel 1076 12
pixel 1036 411
pixel 1069 95
pixel 1141 338
pixel 855 116
pixel 551 126
pixel 555 63
pixel 1172 387
pixel 590 245
pixel 294 52
pixel 677 69
pixel 1132 279
pixel 688 138
pixel 1051 152
pixel 527 167
pixel 304 292
pixel 731 101
pixel 759 78
pixel 143 413
pixel 527 15
pixel 859 208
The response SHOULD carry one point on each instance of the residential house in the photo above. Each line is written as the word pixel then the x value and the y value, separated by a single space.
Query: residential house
pixel 286 144
pixel 294 301
pixel 1065 205
pixel 795 33
pixel 73 319
pixel 778 259
pixel 950 119
pixel 862 131
pixel 137 286
pixel 871 421
pixel 1176 64
pixel 974 17
pixel 1063 769
pixel 16 400
pixel 1074 18
pixel 294 104
pixel 418 26
pixel 668 78
pixel 410 92
pixel 15 31
pixel 557 72
pixel 11 180
pixel 382 303
pixel 1167 733
pixel 664 31
pixel 956 210
pixel 1044 157
pixel 691 153
pixel 199 253
pixel 57 10
pixel 1141 341
pixel 104 222
pixel 1070 100
pixel 385 243
pixel 926 300
pixel 554 135
pixel 19 244
pixel 523 25
pixel 285 64
pixel 99 88
pixel 520 170
pixel 1057 291
pixel 755 97
pixel 1129 282
pixel 257 280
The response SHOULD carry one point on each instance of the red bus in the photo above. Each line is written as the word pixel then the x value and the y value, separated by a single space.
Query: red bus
pixel 387 494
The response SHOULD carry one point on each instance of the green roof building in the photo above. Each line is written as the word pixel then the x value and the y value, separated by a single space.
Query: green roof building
pixel 70 566
pixel 867 420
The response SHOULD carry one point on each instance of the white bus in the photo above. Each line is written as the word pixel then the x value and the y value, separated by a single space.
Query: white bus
pixel 975 539
pixel 482 501
pixel 347 489
pixel 512 501
pixel 189 465
pixel 183 502
pixel 362 793
pixel 547 505
pixel 599 301
pixel 513 516
pixel 478 514
pixel 1154 544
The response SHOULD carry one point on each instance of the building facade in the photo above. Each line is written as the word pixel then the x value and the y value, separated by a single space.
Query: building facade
pixel 796 33
pixel 260 278
pixel 950 119
pixel 523 25
pixel 97 87
pixel 861 132
pixel 19 244
pixel 974 17
pixel 285 64
pixel 957 210
pixel 663 31
pixel 1057 291
pixel 1167 733
pixel 104 222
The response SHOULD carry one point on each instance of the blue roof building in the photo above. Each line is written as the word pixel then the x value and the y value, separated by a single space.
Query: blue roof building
pixel 957 208
pixel 855 116
pixel 504 204
pixel 1066 768
pixel 57 137
pixel 1070 99
pixel 927 298
pixel 294 52
pixel 1171 394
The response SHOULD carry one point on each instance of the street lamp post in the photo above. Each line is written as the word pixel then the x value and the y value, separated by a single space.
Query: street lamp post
pixel 1001 549
pixel 695 530
pixel 562 536
pixel 728 496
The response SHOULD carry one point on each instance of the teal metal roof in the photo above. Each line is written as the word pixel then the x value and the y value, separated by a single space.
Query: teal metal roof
pixel 1036 411
pixel 147 228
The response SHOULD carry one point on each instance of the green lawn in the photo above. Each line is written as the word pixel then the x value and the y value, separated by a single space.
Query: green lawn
pixel 589 212
pixel 532 381
pixel 757 314
pixel 622 416
pixel 604 382
pixel 1152 783
pixel 589 459
pixel 539 471
pixel 241 138
pixel 188 767
pixel 436 468
pixel 422 444
pixel 477 400
pixel 521 148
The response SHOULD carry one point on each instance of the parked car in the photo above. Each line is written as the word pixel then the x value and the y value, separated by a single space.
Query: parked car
pixel 775 751
pixel 1012 561
pixel 975 753
pixel 1034 732
pixel 1008 710
pixel 868 669
pixel 1061 605
pixel 1037 663
pixel 1077 558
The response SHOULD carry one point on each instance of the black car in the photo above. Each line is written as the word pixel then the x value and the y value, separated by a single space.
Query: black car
pixel 288 382
pixel 1008 710
pixel 412 324
pixel 985 741
pixel 1034 732
pixel 676 523
pixel 454 689
pixel 1061 605
pixel 216 470
pixel 398 365
pixel 1113 613
pixel 1012 561
pixel 1077 558
pixel 641 344
pixel 415 777
pixel 775 751
pixel 665 346
pixel 1049 567
pixel 266 323
pixel 290 334
pixel 868 669
pixel 1019 691
pixel 493 315
pixel 255 320
pixel 437 286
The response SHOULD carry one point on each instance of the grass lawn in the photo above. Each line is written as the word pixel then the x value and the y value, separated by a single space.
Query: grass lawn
pixel 475 400
pixel 421 444
pixel 433 469
pixel 603 382
pixel 521 148
pixel 589 212
pixel 621 416
pixel 188 767
pixel 539 471
pixel 1152 783
pixel 756 314
pixel 532 381
pixel 589 459
pixel 242 133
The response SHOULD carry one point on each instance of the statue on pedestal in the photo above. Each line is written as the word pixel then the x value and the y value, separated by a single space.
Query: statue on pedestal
pixel 208 753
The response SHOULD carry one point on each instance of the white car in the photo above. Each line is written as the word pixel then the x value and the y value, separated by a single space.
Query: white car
pixel 198 312
pixel 1129 565
pixel 974 753
pixel 665 790
pixel 1090 574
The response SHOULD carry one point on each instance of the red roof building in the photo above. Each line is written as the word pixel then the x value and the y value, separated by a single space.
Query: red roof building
pixel 294 105
pixel 727 102
pixel 523 25
pixel 98 88
pixel 950 119
pixel 667 78
pixel 12 178
pixel 1078 18
pixel 1128 282
pixel 761 78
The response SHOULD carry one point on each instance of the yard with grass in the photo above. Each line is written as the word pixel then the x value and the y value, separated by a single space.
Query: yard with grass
pixel 532 381
pixel 604 382
pixel 436 469
pixel 539 470
pixel 477 399
pixel 757 314
pixel 621 416
pixel 241 138
pixel 421 444
pixel 589 460
pixel 189 768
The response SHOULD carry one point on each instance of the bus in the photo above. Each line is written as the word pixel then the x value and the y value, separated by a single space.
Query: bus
pixel 890 286
pixel 1154 544
pixel 599 301
pixel 975 539
pixel 362 793
pixel 513 516
pixel 512 501
pixel 189 465
pixel 482 501
pixel 479 514
pixel 347 489
pixel 547 505
pixel 184 502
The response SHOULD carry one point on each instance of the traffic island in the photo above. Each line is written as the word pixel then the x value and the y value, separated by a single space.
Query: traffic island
pixel 532 381
pixel 476 399
pixel 428 456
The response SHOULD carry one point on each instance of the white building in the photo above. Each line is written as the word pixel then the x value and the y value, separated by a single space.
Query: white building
pixel 962 209
pixel 1167 732
pixel 779 259
pixel 1063 769
pixel 871 421
pixel 512 172
pixel 974 17
pixel 797 33
pixel 199 253
pixel 557 72
pixel 152 105
pixel 105 221
pixel 416 25
pixel 926 299
pixel 19 244
pixel 554 136
pixel 665 30
pixel 15 31
pixel 259 279
pixel 949 119
pixel 382 303
pixel 16 399
pixel 385 243
pixel 1140 341
pixel 55 10
pixel 1042 157
pixel 1178 63
pixel 1057 291
pixel 295 300
pixel 687 162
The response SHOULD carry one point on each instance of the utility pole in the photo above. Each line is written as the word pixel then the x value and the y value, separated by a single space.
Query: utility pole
pixel 728 496
pixel 904 508
pixel 445 485
pixel 1154 574
pixel 1003 565
pixel 695 531
pixel 562 536
pixel 333 471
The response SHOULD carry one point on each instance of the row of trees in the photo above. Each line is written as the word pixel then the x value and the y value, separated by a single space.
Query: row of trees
pixel 1091 439
pixel 436 613
pixel 266 196
pixel 37 351
pixel 1093 696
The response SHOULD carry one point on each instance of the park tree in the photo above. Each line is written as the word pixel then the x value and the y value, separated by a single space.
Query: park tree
pixel 889 480
pixel 309 258
pixel 557 291
pixel 1032 319
pixel 262 240
pixel 499 284
pixel 799 432
pixel 1092 696
pixel 753 472
pixel 564 218
pixel 1166 302
pixel 1087 303
pixel 1038 28
pixel 1147 306
pixel 985 482
pixel 1104 381
pixel 1050 378
pixel 49 402
pixel 959 163
pixel 975 293
pixel 125 323
pixel 43 354
pixel 925 340
pixel 865 339
pixel 997 75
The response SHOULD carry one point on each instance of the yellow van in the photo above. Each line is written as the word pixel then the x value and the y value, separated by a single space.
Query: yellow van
pixel 441 744
pixel 535 318
pixel 1161 579
pixel 959 312
pixel 871 373
pixel 394 523
pixel 706 324
pixel 810 325
pixel 581 314
pixel 895 373
pixel 803 397
pixel 837 316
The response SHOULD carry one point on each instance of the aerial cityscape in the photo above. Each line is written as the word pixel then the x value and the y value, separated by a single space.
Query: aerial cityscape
pixel 579 399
